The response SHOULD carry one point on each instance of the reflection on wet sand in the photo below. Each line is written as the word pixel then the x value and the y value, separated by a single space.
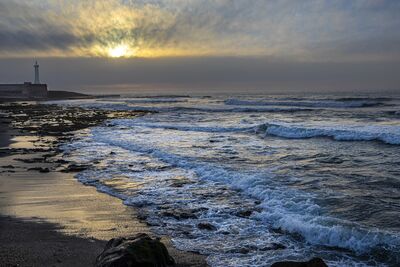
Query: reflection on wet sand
pixel 36 196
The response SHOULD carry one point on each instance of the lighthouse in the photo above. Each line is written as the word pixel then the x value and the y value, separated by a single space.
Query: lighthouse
pixel 26 90
pixel 36 66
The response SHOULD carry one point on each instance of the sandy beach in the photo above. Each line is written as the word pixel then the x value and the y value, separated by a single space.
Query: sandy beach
pixel 47 217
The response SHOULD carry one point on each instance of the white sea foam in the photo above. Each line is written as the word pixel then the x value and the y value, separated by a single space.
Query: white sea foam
pixel 227 169
pixel 385 133
pixel 181 127
pixel 290 210
pixel 388 134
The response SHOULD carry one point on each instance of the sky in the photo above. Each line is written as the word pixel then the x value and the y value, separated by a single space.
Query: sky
pixel 113 46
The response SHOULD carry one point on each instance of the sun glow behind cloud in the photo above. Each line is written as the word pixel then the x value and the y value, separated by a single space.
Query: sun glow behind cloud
pixel 118 51
pixel 309 29
pixel 121 50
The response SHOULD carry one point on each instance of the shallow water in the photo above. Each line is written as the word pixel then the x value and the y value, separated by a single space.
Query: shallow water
pixel 282 177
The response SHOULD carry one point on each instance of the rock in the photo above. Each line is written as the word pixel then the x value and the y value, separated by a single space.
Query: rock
pixel 278 230
pixel 61 161
pixel 273 246
pixel 206 226
pixel 180 214
pixel 8 167
pixel 315 262
pixel 31 160
pixel 75 168
pixel 137 251
pixel 142 215
pixel 244 213
pixel 180 182
pixel 40 169
pixel 44 170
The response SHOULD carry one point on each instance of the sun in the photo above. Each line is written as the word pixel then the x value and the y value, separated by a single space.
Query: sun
pixel 119 51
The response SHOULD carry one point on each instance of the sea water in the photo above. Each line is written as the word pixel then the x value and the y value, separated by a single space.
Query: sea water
pixel 274 177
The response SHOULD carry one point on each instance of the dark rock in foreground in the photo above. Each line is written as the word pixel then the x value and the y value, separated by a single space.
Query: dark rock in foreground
pixel 206 226
pixel 315 262
pixel 137 251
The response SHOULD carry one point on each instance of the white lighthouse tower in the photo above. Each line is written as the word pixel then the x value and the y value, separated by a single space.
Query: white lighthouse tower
pixel 36 66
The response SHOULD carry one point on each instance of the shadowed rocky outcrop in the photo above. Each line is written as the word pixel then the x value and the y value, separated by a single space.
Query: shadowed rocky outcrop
pixel 137 251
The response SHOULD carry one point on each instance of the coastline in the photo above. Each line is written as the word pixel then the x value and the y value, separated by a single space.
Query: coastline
pixel 47 217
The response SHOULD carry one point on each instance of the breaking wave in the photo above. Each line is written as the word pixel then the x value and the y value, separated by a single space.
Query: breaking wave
pixel 185 156
pixel 385 134
pixel 286 209
pixel 180 127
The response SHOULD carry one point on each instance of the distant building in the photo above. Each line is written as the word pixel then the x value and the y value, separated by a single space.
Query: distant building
pixel 27 90
pixel 36 66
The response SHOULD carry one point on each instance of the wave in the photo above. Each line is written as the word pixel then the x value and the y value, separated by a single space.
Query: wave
pixel 180 127
pixel 365 99
pixel 287 209
pixel 348 103
pixel 385 134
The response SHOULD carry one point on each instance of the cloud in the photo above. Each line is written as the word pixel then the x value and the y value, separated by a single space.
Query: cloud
pixel 301 30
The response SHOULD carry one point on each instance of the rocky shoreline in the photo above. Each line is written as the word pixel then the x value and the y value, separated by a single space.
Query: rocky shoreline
pixel 31 158
pixel 39 130
pixel 50 126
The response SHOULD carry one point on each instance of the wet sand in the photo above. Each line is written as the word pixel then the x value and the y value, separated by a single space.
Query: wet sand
pixel 29 243
pixel 47 218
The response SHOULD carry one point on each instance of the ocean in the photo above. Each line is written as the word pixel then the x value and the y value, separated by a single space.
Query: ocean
pixel 249 180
